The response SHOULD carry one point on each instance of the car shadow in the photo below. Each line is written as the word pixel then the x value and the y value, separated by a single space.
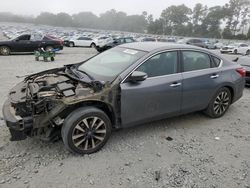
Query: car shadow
pixel 165 127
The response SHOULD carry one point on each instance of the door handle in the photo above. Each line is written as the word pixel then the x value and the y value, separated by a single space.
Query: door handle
pixel 214 76
pixel 175 85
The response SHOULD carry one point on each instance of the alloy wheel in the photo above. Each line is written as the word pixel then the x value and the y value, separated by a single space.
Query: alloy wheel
pixel 89 133
pixel 221 103
pixel 4 50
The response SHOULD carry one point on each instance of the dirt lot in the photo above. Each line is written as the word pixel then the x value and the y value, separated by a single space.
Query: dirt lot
pixel 203 153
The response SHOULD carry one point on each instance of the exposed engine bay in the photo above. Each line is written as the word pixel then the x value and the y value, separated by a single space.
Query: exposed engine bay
pixel 37 104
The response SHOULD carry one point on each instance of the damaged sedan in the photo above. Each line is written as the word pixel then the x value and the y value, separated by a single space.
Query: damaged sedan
pixel 128 85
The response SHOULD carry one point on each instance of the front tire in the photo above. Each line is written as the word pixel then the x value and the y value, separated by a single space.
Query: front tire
pixel 248 52
pixel 71 44
pixel 86 130
pixel 49 48
pixel 220 103
pixel 235 52
pixel 4 50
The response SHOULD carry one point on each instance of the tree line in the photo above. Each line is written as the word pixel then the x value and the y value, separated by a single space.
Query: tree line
pixel 230 21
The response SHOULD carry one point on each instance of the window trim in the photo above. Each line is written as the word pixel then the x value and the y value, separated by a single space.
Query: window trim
pixel 179 63
pixel 214 63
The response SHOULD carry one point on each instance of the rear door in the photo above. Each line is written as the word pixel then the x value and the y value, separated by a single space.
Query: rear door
pixel 87 41
pixel 79 41
pixel 201 78
pixel 159 96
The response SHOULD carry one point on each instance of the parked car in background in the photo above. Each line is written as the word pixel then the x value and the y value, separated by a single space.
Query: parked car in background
pixel 209 44
pixel 244 61
pixel 101 41
pixel 171 40
pixel 29 43
pixel 81 42
pixel 148 39
pixel 195 42
pixel 236 48
pixel 125 86
pixel 218 45
pixel 113 43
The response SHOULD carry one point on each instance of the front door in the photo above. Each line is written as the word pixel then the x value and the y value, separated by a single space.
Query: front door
pixel 158 96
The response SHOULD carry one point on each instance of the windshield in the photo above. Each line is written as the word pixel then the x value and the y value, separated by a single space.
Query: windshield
pixel 108 65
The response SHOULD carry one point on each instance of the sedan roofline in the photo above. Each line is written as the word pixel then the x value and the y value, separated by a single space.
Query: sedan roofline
pixel 156 46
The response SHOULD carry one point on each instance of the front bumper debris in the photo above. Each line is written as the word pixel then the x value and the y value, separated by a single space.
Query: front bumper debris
pixel 19 127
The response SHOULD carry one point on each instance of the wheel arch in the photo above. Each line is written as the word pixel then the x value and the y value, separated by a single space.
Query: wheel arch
pixel 107 108
pixel 231 89
pixel 93 43
pixel 1 45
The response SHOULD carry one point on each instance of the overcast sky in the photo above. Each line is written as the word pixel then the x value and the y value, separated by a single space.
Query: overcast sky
pixel 34 7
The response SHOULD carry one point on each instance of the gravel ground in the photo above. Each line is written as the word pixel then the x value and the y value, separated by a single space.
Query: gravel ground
pixel 187 151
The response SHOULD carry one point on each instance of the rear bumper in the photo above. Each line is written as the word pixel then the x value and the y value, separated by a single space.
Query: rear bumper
pixel 238 93
pixel 19 127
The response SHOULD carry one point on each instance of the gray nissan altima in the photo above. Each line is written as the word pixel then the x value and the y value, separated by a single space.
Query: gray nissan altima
pixel 128 85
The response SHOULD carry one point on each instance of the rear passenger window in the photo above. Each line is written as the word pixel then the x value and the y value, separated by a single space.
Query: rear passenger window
pixel 195 61
pixel 216 61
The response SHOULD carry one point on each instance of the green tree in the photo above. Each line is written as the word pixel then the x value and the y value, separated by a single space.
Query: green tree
pixel 213 22
pixel 248 33
pixel 85 20
pixel 235 11
pixel 199 14
pixel 175 17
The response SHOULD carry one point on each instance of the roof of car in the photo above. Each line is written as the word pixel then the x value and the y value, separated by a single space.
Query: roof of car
pixel 152 46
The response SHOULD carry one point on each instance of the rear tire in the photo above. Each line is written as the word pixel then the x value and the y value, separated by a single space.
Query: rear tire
pixel 248 52
pixel 220 103
pixel 71 44
pixel 86 130
pixel 235 52
pixel 4 50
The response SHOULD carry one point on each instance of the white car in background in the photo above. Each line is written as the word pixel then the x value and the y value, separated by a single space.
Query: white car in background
pixel 102 41
pixel 236 48
pixel 82 42
pixel 218 45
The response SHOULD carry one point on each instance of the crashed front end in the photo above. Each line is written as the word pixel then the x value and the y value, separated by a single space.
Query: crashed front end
pixel 33 105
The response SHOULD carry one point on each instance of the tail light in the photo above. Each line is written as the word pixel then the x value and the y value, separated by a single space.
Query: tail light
pixel 241 71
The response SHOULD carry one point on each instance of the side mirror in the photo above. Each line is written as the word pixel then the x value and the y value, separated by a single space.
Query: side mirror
pixel 138 76
pixel 17 40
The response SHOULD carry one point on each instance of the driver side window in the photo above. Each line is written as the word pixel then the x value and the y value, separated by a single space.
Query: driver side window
pixel 161 64
pixel 24 37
